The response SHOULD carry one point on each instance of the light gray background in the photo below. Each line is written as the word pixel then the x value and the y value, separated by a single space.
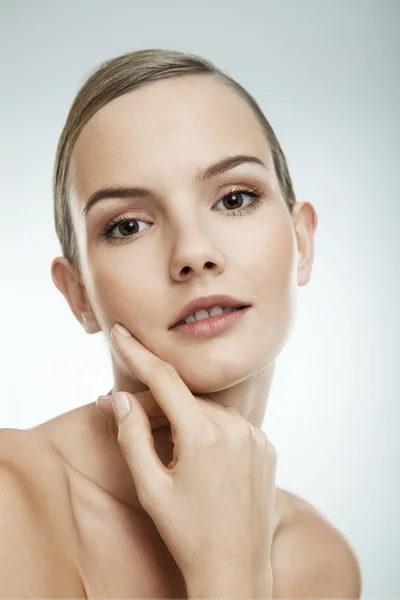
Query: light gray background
pixel 326 75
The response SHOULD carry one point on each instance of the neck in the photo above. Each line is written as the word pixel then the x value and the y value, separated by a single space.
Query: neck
pixel 99 457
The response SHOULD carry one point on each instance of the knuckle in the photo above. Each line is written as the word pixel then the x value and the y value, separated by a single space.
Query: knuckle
pixel 240 432
pixel 272 452
pixel 262 440
pixel 127 440
pixel 260 436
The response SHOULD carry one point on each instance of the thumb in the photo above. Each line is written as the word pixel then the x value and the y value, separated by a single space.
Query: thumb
pixel 137 446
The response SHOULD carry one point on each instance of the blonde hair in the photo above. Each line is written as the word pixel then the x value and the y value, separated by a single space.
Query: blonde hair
pixel 121 75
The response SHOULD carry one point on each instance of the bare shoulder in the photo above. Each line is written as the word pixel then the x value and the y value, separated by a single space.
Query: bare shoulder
pixel 33 559
pixel 310 557
pixel 32 463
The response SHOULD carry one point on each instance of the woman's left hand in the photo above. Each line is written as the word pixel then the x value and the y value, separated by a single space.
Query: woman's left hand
pixel 214 504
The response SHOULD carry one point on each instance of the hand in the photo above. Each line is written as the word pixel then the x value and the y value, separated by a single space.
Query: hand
pixel 214 504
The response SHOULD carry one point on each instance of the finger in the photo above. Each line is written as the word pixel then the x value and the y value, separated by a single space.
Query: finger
pixel 157 418
pixel 137 446
pixel 148 403
pixel 145 398
pixel 104 404
pixel 169 390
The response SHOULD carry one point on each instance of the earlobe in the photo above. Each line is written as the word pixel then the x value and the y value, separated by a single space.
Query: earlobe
pixel 90 323
pixel 67 280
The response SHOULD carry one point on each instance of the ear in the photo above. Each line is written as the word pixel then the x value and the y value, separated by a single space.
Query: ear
pixel 67 279
pixel 305 223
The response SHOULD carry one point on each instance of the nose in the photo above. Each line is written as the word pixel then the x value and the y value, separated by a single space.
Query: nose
pixel 193 254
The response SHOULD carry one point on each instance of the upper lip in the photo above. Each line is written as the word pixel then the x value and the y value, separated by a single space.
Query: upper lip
pixel 205 303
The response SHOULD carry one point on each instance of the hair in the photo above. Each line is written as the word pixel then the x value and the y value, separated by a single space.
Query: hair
pixel 121 75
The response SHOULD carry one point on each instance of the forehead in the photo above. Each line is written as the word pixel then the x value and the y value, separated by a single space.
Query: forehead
pixel 163 132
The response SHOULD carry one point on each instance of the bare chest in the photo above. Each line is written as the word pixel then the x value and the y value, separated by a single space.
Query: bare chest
pixel 123 556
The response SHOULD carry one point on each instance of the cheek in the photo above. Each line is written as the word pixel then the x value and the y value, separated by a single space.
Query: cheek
pixel 122 289
pixel 274 280
pixel 271 259
pixel 277 263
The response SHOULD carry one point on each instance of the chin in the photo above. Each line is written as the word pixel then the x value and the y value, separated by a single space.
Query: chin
pixel 218 374
pixel 226 366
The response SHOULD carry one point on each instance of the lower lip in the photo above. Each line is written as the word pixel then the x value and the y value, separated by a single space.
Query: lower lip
pixel 212 326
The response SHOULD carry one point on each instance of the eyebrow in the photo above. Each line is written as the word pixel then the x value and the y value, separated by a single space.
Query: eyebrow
pixel 226 164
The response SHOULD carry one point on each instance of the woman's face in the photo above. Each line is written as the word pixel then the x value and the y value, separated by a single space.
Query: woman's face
pixel 180 240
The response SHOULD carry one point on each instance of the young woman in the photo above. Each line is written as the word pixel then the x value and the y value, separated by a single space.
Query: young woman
pixel 175 498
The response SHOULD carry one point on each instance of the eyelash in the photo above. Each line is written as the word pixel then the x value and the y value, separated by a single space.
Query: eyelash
pixel 238 212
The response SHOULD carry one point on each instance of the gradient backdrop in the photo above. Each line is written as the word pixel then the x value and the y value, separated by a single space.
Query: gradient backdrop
pixel 326 75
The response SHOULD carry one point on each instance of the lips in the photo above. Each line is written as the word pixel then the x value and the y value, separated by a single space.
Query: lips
pixel 206 303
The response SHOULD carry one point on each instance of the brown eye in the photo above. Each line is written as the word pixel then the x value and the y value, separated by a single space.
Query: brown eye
pixel 234 200
pixel 125 226
pixel 128 227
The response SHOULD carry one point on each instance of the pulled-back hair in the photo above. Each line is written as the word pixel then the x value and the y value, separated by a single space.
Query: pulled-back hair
pixel 116 77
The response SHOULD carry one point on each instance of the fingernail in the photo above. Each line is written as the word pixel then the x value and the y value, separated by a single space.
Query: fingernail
pixel 103 400
pixel 121 330
pixel 121 405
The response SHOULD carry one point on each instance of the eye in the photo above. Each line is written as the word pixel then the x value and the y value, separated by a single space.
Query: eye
pixel 123 224
pixel 237 195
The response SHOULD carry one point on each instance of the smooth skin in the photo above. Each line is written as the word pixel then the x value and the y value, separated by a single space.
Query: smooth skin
pixel 186 244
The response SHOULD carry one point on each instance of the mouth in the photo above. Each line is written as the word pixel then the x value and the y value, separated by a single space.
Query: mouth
pixel 210 326
pixel 210 316
pixel 207 307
